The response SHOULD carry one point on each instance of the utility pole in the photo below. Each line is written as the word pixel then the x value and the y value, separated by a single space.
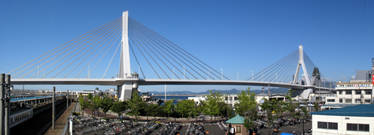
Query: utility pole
pixel 165 92
pixel 53 108
pixel 2 92
pixel 67 99
pixel 7 104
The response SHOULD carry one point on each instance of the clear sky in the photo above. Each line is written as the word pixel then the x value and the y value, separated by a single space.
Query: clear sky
pixel 240 36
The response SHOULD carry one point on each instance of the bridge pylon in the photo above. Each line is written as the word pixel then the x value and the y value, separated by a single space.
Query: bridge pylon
pixel 127 88
pixel 301 64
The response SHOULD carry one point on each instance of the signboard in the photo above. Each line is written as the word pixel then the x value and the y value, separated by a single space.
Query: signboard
pixel 372 79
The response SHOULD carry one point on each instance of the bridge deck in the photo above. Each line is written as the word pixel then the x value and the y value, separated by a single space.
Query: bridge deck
pixel 118 81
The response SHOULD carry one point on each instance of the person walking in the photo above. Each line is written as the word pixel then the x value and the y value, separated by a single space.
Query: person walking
pixel 231 130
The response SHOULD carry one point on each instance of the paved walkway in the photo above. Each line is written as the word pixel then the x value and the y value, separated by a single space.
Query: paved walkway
pixel 60 122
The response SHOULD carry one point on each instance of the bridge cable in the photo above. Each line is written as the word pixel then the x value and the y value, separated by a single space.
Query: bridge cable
pixel 163 40
pixel 56 49
pixel 68 45
pixel 139 43
pixel 106 52
pixel 87 45
pixel 154 43
pixel 101 45
pixel 186 65
pixel 55 56
pixel 143 43
pixel 149 63
pixel 156 51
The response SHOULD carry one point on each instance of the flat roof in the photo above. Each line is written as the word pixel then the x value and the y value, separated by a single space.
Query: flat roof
pixel 362 110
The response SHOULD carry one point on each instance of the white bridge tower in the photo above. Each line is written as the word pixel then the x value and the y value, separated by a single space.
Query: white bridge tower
pixel 125 90
pixel 301 63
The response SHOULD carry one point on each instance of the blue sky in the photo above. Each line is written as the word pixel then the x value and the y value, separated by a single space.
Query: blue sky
pixel 241 36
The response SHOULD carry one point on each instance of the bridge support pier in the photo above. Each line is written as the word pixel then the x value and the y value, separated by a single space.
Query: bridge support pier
pixel 126 90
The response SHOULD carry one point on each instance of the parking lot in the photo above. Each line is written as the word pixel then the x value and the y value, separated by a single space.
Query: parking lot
pixel 94 126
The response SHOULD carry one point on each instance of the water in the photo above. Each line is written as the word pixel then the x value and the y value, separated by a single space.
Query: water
pixel 175 98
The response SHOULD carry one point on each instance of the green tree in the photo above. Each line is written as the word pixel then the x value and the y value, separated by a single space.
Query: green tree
pixel 247 105
pixel 211 104
pixel 118 107
pixel 153 110
pixel 90 96
pixel 135 104
pixel 168 107
pixel 226 110
pixel 270 107
pixel 106 104
pixel 83 103
pixel 95 103
pixel 186 108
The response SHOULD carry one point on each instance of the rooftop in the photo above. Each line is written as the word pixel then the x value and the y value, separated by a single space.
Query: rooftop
pixel 364 110
pixel 236 120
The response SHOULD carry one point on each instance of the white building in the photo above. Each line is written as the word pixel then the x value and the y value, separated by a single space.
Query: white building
pixel 353 92
pixel 197 99
pixel 232 99
pixel 85 92
pixel 352 120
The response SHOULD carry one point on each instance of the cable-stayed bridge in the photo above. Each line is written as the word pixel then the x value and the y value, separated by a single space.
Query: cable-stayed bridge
pixel 126 53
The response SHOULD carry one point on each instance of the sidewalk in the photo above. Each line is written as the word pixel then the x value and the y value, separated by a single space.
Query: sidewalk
pixel 60 122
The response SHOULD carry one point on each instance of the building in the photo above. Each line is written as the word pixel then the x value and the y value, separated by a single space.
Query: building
pixel 85 92
pixel 359 90
pixel 237 123
pixel 197 99
pixel 352 120
pixel 232 99
pixel 352 92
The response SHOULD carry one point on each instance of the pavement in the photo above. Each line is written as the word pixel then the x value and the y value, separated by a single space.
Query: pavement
pixel 60 122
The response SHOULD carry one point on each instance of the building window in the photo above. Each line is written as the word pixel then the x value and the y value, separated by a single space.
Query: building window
pixel 358 92
pixel 348 100
pixel 367 101
pixel 330 100
pixel 348 92
pixel 340 100
pixel 352 127
pixel 327 125
pixel 322 125
pixel 332 125
pixel 358 100
pixel 363 127
pixel 340 92
pixel 358 127
pixel 368 92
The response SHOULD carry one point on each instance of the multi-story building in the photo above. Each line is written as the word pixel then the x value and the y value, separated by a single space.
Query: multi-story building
pixel 350 93
pixel 354 92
